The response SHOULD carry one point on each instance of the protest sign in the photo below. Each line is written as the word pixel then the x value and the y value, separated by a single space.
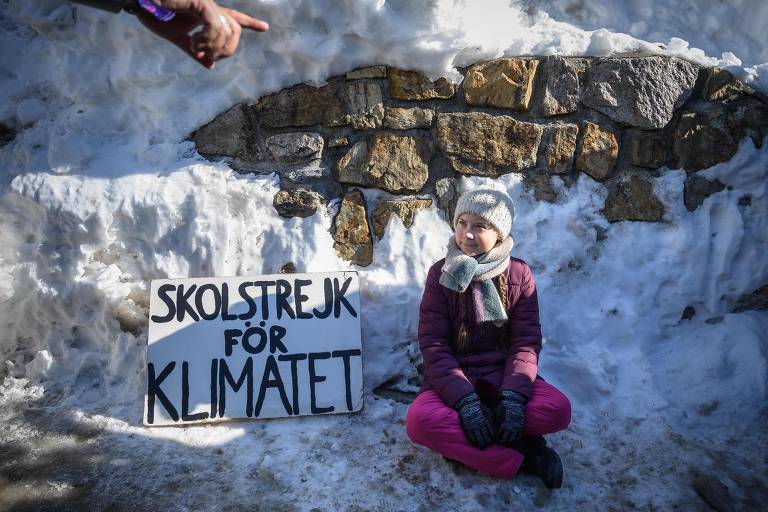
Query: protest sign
pixel 253 347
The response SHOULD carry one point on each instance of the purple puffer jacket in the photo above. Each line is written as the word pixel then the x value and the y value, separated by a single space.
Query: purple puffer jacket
pixel 455 376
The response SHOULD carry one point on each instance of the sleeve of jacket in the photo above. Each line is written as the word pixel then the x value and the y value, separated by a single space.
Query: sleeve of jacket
pixel 522 362
pixel 440 365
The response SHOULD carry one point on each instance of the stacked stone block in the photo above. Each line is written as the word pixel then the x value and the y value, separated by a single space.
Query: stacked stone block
pixel 619 120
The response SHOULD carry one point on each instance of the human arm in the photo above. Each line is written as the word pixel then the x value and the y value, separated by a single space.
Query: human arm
pixel 218 38
pixel 524 330
pixel 441 368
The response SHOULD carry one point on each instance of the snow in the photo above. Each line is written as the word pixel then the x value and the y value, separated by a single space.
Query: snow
pixel 100 192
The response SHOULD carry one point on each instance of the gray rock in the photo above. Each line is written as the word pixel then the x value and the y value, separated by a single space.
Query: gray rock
pixel 305 173
pixel 363 104
pixel 227 135
pixel 397 164
pixel 641 91
pixel 293 148
pixel 703 139
pixel 353 241
pixel 447 192
pixel 713 492
pixel 631 197
pixel 560 147
pixel 302 105
pixel 646 148
pixel 296 203
pixel 559 87
pixel 7 133
pixel 486 145
pixel 756 300
pixel 697 188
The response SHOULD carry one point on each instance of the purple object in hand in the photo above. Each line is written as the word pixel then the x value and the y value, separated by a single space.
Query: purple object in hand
pixel 155 10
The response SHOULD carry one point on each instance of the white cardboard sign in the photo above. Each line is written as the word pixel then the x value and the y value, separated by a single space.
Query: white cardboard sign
pixel 268 346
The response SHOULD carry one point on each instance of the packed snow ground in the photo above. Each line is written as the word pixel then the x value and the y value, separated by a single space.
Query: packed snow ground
pixel 100 193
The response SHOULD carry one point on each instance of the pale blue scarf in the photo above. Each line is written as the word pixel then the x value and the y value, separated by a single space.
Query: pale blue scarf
pixel 459 270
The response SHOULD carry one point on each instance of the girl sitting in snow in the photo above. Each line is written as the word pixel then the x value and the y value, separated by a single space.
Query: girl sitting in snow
pixel 482 402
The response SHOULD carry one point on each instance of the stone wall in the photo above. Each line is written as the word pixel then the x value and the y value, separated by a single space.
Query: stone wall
pixel 616 119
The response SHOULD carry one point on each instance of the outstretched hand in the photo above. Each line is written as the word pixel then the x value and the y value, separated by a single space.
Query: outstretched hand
pixel 220 33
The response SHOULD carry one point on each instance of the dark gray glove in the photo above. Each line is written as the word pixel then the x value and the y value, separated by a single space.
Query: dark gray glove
pixel 511 411
pixel 475 420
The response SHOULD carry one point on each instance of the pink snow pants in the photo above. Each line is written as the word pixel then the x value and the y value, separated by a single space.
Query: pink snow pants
pixel 435 425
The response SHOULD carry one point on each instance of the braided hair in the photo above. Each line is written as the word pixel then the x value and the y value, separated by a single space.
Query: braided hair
pixel 461 341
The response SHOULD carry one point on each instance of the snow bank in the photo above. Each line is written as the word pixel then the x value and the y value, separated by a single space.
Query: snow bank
pixel 101 193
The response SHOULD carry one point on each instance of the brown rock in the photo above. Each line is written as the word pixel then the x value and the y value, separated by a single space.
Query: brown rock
pixel 703 139
pixel 646 149
pixel 486 145
pixel 541 184
pixel 407 118
pixel 720 85
pixel 369 72
pixel 412 85
pixel 302 105
pixel 502 83
pixel 632 198
pixel 559 87
pixel 296 203
pixel 397 164
pixel 351 233
pixel 403 208
pixel 697 188
pixel 599 149
pixel 560 148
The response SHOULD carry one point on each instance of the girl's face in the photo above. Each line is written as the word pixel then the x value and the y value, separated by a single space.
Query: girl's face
pixel 475 235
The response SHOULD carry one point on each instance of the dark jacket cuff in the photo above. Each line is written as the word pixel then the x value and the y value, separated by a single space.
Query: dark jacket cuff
pixel 519 383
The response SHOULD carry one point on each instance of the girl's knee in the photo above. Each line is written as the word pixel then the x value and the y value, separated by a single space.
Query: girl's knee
pixel 562 416
pixel 425 419
pixel 552 414
pixel 413 424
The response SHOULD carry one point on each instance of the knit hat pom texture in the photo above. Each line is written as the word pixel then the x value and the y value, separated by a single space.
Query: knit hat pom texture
pixel 493 205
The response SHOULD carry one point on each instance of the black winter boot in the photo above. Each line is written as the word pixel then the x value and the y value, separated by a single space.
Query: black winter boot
pixel 542 461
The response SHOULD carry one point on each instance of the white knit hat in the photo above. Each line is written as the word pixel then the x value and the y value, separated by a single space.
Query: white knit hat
pixel 493 205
